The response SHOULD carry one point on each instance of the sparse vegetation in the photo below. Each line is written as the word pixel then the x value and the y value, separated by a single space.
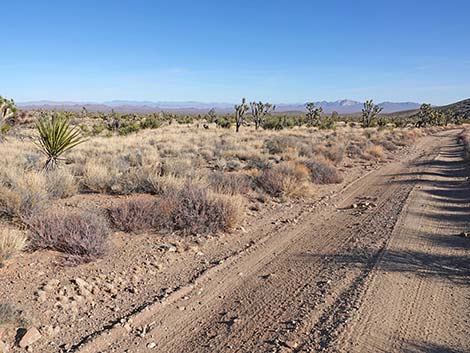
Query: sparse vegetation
pixel 12 241
pixel 23 195
pixel 321 172
pixel 182 179
pixel 285 179
pixel 194 210
pixel 81 235
pixel 135 213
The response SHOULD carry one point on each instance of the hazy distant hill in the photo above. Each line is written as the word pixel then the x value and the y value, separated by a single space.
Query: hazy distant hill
pixel 344 106
pixel 461 109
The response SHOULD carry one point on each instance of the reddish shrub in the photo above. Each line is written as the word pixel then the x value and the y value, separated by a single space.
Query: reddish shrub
pixel 323 173
pixel 83 236
pixel 271 181
pixel 134 214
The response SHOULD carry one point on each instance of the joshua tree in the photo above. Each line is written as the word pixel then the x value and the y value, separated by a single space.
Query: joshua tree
pixel 55 137
pixel 259 111
pixel 429 116
pixel 7 111
pixel 211 116
pixel 369 113
pixel 240 112
pixel 313 114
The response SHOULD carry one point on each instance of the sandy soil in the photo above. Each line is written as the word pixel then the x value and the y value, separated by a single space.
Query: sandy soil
pixel 391 275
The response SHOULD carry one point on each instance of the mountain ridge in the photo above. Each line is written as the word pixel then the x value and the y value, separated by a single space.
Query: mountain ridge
pixel 342 106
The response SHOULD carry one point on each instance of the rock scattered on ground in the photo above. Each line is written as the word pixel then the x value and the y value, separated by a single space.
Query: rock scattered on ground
pixel 30 337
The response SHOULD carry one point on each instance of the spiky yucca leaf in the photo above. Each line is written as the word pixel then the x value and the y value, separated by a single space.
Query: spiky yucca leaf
pixel 56 136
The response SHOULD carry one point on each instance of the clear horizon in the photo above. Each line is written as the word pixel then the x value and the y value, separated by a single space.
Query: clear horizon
pixel 279 51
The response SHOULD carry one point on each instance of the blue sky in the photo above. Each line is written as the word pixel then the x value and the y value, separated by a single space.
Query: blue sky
pixel 220 51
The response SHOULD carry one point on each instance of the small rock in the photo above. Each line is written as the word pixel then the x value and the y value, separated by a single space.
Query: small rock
pixel 151 345
pixel 3 347
pixel 31 336
pixel 81 283
pixel 167 247
pixel 464 234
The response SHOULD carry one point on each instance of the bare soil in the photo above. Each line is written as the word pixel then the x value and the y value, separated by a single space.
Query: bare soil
pixel 389 275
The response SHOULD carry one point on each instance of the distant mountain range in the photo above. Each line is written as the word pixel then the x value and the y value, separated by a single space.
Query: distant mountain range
pixel 344 106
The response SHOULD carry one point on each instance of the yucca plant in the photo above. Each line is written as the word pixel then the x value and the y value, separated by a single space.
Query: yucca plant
pixel 56 136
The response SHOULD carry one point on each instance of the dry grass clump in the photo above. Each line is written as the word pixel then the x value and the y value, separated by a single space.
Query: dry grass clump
pixel 388 145
pixel 82 236
pixel 11 242
pixel 24 196
pixel 376 151
pixel 321 172
pixel 158 185
pixel 334 152
pixel 98 177
pixel 194 210
pixel 229 183
pixel 61 183
pixel 135 213
pixel 285 179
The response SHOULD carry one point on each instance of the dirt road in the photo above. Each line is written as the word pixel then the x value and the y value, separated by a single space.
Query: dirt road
pixel 390 275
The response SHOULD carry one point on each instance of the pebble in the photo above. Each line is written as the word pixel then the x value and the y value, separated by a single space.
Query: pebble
pixel 30 337
pixel 151 345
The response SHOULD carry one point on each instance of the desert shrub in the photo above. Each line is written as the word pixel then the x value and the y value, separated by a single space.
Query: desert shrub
pixel 98 177
pixel 81 235
pixel 291 144
pixel 279 122
pixel 159 185
pixel 177 167
pixel 403 138
pixel 334 153
pixel 98 129
pixel 194 210
pixel 187 119
pixel 323 173
pixel 61 183
pixel 354 150
pixel 26 195
pixel 134 214
pixel 230 184
pixel 150 122
pixel 388 145
pixel 376 151
pixel 279 144
pixel 285 179
pixel 223 122
pixel 128 127
pixel 11 242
